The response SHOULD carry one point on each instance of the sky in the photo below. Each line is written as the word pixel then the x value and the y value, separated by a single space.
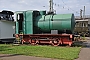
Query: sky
pixel 61 6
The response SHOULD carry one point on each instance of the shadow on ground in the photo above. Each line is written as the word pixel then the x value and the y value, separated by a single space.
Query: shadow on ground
pixel 82 43
pixel 7 55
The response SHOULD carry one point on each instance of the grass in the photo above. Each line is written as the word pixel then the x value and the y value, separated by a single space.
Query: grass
pixel 65 53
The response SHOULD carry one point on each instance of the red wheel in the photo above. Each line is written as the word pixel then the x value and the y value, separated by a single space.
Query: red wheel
pixel 33 42
pixel 55 43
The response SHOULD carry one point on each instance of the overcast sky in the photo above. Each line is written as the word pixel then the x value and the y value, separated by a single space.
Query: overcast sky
pixel 61 6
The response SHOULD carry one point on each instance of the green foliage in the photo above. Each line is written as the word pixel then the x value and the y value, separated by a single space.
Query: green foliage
pixel 66 53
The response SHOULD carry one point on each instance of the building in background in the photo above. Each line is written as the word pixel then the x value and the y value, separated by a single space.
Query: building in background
pixel 81 26
pixel 7 26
